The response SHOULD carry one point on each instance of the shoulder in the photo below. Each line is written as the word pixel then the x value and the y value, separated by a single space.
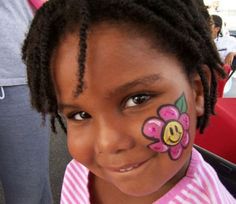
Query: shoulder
pixel 200 185
pixel 75 183
pixel 77 172
pixel 209 181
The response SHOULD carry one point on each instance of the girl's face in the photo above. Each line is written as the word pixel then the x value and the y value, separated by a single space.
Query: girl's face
pixel 126 82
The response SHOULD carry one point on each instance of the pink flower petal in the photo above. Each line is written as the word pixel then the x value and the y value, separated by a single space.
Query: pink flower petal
pixel 184 120
pixel 185 139
pixel 158 147
pixel 169 113
pixel 175 151
pixel 153 127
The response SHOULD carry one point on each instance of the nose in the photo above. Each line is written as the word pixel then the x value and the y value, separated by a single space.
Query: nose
pixel 113 138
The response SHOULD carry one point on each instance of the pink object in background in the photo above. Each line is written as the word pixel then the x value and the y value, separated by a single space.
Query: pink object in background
pixel 222 82
pixel 37 3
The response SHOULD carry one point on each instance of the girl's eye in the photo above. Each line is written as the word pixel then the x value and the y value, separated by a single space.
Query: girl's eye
pixel 137 100
pixel 80 116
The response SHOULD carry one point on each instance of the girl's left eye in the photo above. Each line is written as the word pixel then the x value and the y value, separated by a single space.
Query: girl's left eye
pixel 137 100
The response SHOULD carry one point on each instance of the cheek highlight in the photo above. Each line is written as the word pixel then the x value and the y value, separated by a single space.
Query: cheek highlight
pixel 170 131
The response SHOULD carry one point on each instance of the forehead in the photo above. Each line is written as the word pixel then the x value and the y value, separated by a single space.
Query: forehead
pixel 114 56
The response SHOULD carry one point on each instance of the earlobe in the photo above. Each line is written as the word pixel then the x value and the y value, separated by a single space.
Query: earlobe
pixel 199 91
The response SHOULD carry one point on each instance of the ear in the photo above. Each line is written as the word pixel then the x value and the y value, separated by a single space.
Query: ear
pixel 198 90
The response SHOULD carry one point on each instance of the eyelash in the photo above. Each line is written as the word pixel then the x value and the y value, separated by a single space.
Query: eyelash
pixel 72 116
pixel 143 96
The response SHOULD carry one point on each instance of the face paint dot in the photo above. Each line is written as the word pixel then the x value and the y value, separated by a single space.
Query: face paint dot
pixel 173 133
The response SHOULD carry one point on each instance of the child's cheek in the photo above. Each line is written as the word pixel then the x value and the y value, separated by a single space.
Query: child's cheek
pixel 169 131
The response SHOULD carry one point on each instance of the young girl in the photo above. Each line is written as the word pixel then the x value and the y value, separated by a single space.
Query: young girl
pixel 133 80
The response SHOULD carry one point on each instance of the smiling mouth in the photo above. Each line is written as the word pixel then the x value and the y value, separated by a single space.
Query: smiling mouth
pixel 128 168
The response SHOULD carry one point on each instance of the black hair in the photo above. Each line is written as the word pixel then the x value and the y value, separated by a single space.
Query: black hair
pixel 217 20
pixel 179 27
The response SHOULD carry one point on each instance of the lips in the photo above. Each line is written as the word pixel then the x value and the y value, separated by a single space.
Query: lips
pixel 127 167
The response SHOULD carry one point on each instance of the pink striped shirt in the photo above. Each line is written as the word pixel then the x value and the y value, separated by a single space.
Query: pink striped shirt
pixel 201 185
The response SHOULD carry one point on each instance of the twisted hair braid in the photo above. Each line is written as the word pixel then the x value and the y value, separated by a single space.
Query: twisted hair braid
pixel 179 27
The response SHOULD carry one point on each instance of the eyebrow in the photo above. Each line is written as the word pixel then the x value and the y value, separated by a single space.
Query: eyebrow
pixel 62 106
pixel 143 81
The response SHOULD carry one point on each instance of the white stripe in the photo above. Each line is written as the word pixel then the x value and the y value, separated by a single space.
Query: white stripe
pixel 209 187
pixel 68 196
pixel 191 196
pixel 78 168
pixel 214 178
pixel 63 199
pixel 82 184
pixel 181 200
pixel 198 180
pixel 85 170
pixel 198 192
pixel 78 188
pixel 226 195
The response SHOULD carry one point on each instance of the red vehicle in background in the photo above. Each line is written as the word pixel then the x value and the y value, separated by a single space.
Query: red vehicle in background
pixel 218 143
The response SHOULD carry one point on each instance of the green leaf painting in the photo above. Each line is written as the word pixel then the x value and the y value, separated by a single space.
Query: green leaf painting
pixel 181 104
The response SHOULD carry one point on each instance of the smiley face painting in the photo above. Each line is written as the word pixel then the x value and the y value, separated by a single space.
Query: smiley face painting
pixel 170 131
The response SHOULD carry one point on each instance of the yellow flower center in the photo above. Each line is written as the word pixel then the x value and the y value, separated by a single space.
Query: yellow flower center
pixel 173 133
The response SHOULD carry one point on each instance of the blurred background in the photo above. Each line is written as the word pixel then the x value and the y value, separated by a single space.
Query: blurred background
pixel 227 10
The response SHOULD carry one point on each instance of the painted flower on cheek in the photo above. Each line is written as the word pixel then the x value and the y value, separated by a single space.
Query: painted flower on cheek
pixel 170 131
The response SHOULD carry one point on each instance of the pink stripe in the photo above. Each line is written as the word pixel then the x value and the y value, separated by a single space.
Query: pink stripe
pixel 198 192
pixel 76 167
pixel 78 178
pixel 70 193
pixel 186 197
pixel 214 185
pixel 180 200
pixel 79 188
pixel 75 192
pixel 74 189
pixel 192 196
pixel 64 198
pixel 67 195
pixel 221 190
pixel 207 184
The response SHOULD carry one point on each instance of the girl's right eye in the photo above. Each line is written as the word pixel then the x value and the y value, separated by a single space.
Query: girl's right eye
pixel 79 116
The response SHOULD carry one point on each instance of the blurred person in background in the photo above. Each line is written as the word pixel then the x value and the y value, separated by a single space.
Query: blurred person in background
pixel 24 143
pixel 226 45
